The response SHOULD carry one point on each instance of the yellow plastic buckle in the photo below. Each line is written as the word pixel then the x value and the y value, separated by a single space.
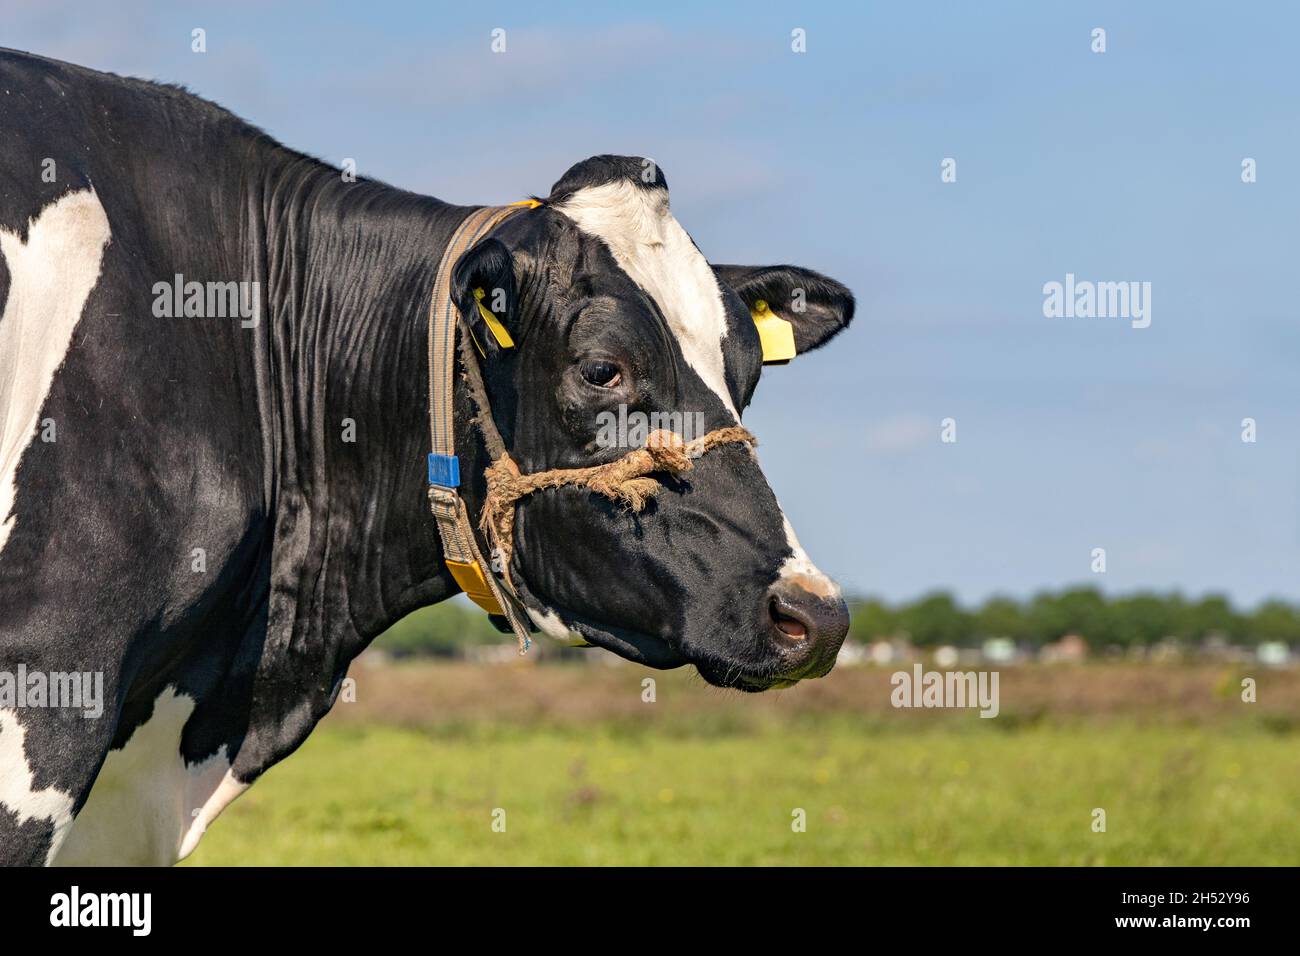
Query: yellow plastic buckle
pixel 470 578
pixel 776 334
pixel 493 323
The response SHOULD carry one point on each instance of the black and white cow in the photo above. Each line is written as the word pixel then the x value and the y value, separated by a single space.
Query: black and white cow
pixel 182 513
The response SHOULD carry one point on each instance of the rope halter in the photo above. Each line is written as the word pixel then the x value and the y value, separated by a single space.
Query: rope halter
pixel 624 481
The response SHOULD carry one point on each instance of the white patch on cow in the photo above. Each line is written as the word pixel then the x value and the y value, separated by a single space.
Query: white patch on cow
pixel 50 278
pixel 149 807
pixel 16 779
pixel 799 570
pixel 549 623
pixel 657 254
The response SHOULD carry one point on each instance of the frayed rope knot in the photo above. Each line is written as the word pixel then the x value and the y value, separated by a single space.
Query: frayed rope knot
pixel 624 481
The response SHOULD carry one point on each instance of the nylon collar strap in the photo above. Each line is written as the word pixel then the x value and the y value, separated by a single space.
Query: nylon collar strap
pixel 460 548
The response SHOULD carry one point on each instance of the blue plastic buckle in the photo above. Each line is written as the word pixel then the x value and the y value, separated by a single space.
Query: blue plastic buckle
pixel 444 470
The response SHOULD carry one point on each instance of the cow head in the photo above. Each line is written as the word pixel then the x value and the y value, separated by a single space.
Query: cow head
pixel 616 317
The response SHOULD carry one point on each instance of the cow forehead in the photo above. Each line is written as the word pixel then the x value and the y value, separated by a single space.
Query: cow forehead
pixel 649 245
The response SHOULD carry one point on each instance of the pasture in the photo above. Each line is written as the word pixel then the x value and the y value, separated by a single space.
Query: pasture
pixel 588 773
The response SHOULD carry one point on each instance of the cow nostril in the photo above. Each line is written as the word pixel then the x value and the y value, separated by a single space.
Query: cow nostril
pixel 792 627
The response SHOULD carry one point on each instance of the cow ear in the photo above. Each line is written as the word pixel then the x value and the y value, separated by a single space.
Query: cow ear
pixel 483 288
pixel 816 306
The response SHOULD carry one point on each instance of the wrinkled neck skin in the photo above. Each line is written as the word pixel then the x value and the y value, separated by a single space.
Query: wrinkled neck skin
pixel 346 271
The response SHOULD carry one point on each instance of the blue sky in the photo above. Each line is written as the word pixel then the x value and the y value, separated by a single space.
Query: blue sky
pixel 1071 433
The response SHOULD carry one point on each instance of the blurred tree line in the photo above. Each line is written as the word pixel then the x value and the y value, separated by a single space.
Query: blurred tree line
pixel 934 619
pixel 1143 618
pixel 442 631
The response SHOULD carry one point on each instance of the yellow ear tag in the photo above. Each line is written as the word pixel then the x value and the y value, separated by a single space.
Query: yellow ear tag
pixel 776 334
pixel 493 323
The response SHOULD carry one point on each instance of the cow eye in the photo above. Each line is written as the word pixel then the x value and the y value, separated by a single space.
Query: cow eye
pixel 602 374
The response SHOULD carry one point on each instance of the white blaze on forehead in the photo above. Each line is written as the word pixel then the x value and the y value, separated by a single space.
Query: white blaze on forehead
pixel 657 254
pixel 799 570
pixel 50 278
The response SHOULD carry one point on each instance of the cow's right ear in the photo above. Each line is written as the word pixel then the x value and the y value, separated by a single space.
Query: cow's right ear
pixel 483 288
pixel 796 310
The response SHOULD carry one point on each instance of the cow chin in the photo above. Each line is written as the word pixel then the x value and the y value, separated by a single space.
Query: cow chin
pixel 726 677
pixel 661 654
pixel 754 677
pixel 658 653
pixel 751 676
pixel 635 646
pixel 795 635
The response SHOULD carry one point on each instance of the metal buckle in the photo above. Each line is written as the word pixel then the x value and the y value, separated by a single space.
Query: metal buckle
pixel 444 501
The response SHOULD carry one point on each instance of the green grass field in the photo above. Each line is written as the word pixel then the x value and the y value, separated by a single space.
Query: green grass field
pixel 714 778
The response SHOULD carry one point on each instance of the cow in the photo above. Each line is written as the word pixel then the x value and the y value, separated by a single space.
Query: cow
pixel 214 432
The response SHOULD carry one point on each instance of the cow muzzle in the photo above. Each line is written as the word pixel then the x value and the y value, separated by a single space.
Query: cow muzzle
pixel 804 630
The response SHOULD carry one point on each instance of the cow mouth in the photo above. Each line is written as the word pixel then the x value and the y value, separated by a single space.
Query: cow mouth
pixel 635 646
pixel 736 677
pixel 774 673
pixel 656 652
pixel 651 651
